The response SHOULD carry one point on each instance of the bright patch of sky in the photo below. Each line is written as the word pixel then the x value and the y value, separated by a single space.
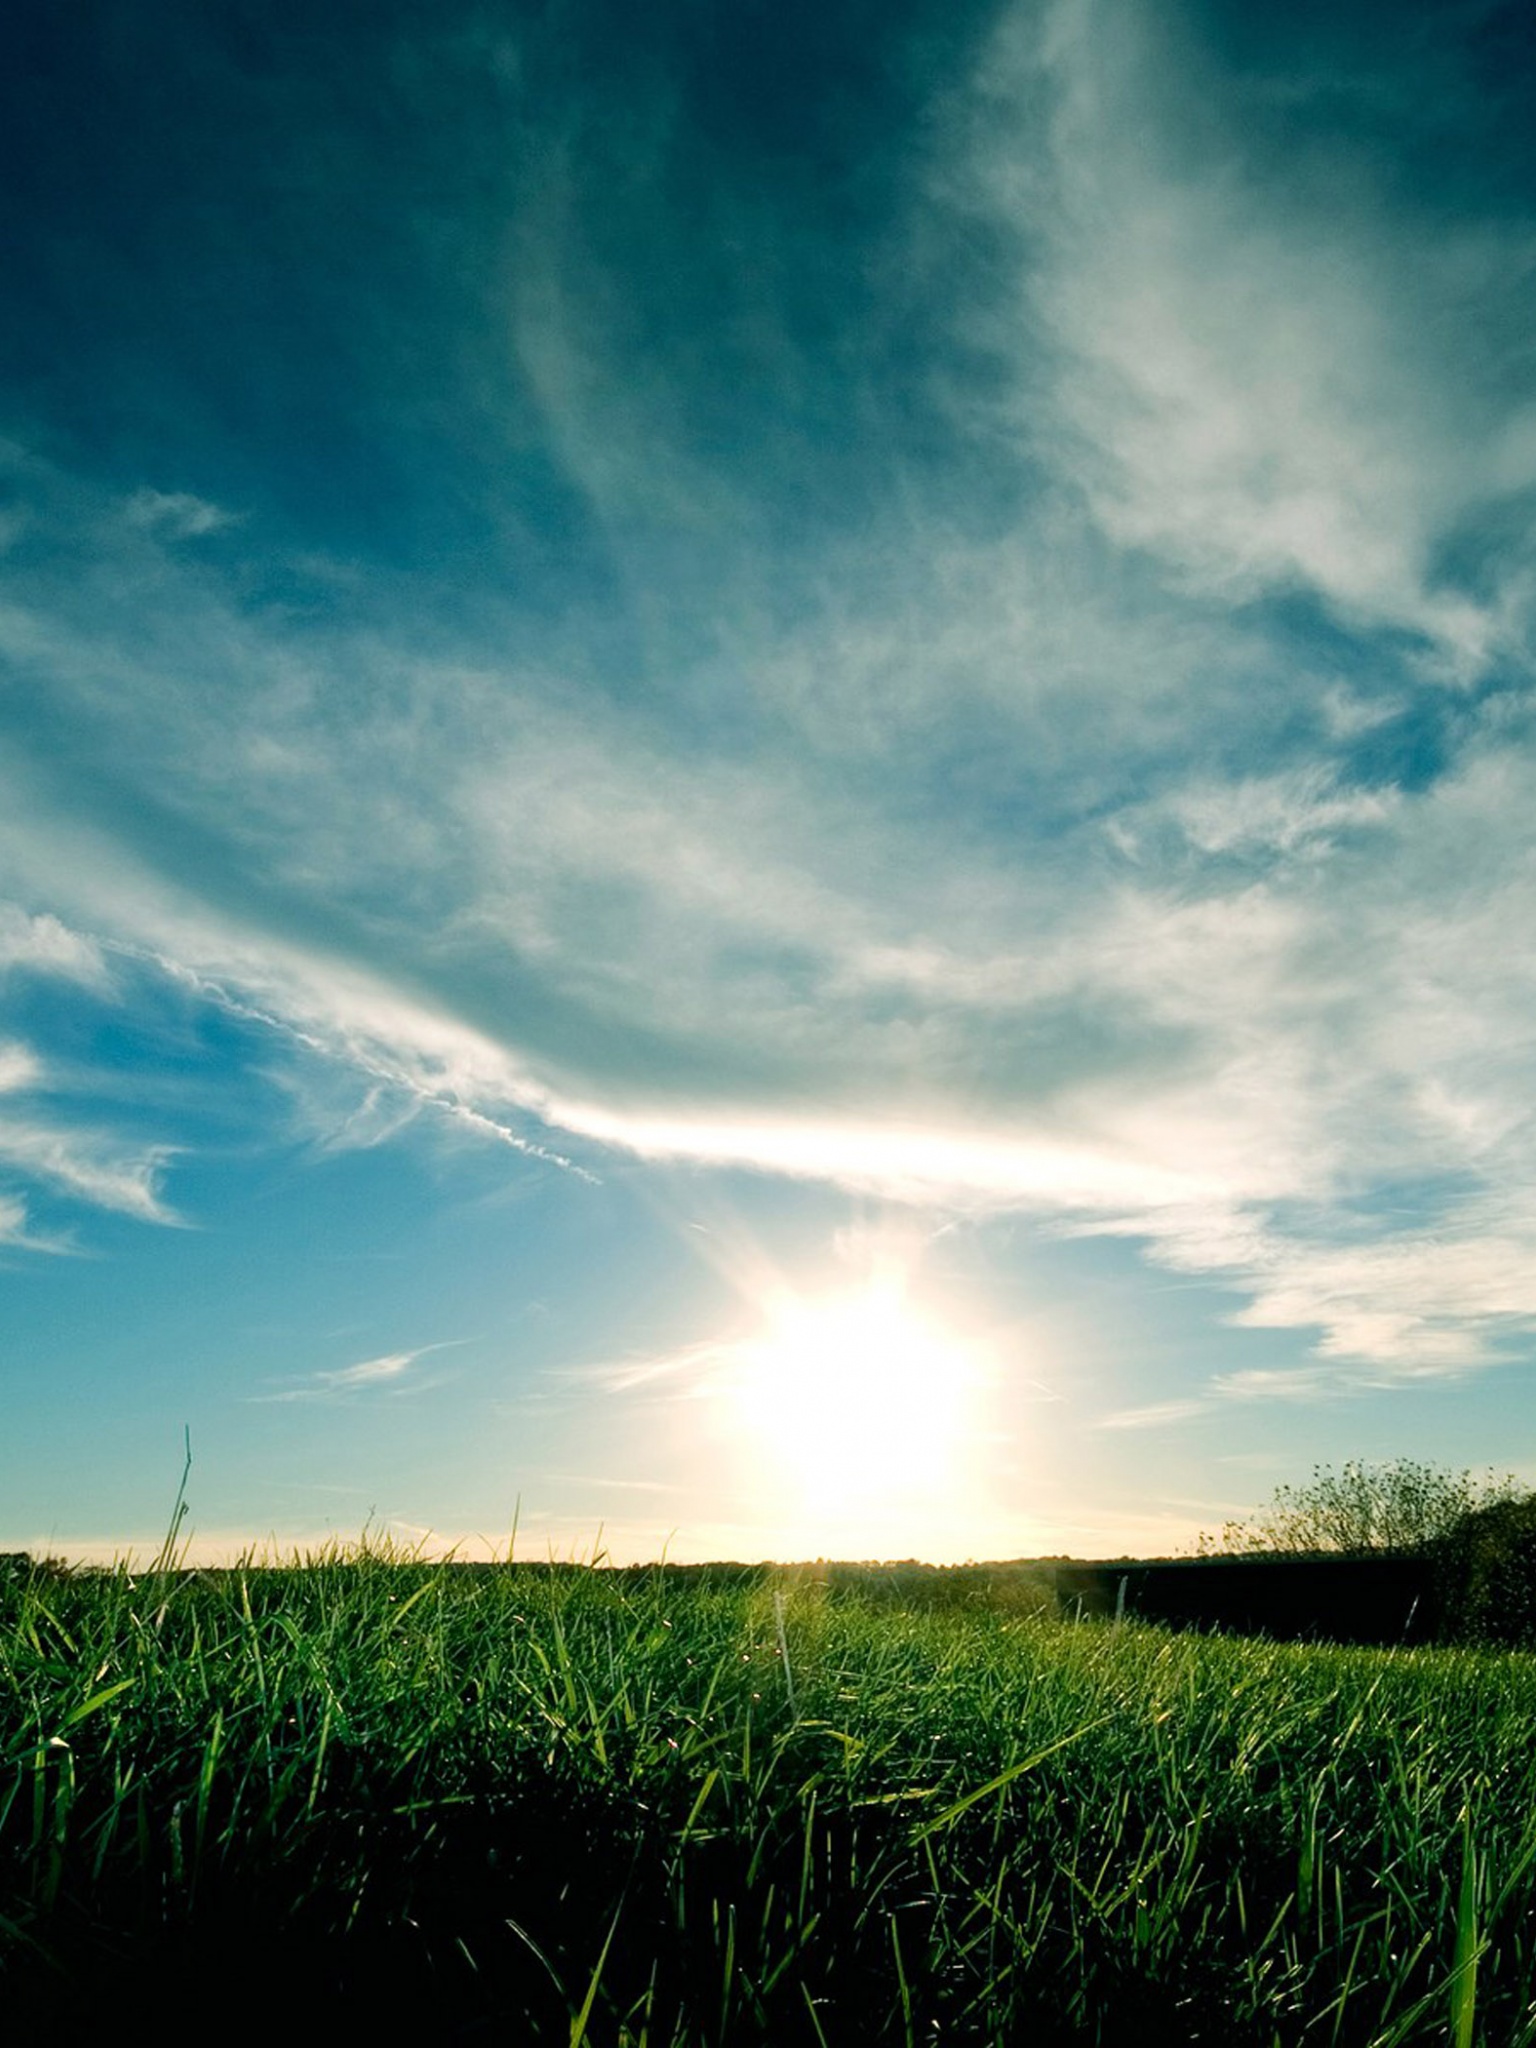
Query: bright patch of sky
pixel 662 670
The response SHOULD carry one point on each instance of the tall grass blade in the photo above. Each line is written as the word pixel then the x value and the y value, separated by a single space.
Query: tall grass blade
pixel 165 1560
pixel 579 2023
pixel 1468 1947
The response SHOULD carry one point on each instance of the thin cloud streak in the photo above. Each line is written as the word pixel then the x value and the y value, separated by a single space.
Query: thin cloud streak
pixel 91 1167
pixel 371 1370
pixel 390 1369
pixel 1157 1415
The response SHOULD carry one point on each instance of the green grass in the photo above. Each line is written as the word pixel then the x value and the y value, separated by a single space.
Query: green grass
pixel 567 1805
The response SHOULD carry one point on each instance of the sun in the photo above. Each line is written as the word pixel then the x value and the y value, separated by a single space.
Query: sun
pixel 856 1398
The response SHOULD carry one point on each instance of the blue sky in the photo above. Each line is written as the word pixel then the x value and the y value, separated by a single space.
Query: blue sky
pixel 766 775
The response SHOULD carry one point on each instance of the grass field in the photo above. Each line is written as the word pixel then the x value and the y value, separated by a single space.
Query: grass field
pixel 569 1805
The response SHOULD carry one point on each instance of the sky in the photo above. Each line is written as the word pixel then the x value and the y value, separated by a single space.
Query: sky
pixel 767 773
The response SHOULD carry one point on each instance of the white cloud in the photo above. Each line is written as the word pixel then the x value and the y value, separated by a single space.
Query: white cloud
pixel 1283 1383
pixel 1263 373
pixel 89 1166
pixel 390 1369
pixel 1299 812
pixel 176 515
pixel 369 1371
pixel 42 945
pixel 20 1068
pixel 84 1164
pixel 15 1227
pixel 1156 1415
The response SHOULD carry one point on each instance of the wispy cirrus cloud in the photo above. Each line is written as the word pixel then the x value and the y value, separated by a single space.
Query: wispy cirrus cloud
pixel 393 1365
pixel 20 1068
pixel 1262 364
pixel 90 1166
pixel 18 1231
pixel 77 1160
pixel 391 1369
pixel 178 515
pixel 1155 1415
pixel 42 945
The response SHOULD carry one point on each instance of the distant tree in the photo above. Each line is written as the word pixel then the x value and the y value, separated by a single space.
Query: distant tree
pixel 1486 1574
pixel 16 1565
pixel 1397 1506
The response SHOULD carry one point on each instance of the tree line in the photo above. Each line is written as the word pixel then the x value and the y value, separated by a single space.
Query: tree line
pixel 1476 1532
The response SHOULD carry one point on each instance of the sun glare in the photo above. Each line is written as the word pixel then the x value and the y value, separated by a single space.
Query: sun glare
pixel 857 1399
